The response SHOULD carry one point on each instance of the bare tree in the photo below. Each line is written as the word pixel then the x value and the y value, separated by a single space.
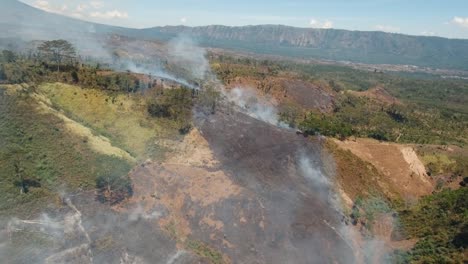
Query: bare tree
pixel 57 50
pixel 20 181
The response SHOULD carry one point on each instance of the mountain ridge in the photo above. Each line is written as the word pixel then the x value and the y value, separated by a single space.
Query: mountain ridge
pixel 372 47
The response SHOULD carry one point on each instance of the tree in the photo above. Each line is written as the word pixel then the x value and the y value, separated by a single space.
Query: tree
pixel 209 97
pixel 8 56
pixel 113 188
pixel 24 182
pixel 2 73
pixel 75 76
pixel 20 182
pixel 57 50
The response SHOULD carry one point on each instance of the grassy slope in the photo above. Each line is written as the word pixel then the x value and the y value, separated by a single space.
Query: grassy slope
pixel 45 152
pixel 121 118
pixel 359 178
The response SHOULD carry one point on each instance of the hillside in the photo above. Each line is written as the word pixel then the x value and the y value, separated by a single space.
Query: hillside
pixel 137 146
pixel 18 20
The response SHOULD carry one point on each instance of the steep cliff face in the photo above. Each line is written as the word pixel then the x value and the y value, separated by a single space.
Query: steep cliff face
pixel 359 46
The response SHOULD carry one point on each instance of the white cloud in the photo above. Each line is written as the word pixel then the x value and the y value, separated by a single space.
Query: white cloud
pixel 114 14
pixel 46 6
pixel 387 28
pixel 96 4
pixel 318 24
pixel 81 10
pixel 183 20
pixel 41 4
pixel 327 24
pixel 81 7
pixel 428 33
pixel 460 21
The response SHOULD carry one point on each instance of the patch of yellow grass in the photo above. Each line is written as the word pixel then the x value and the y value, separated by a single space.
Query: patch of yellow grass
pixel 12 89
pixel 121 118
pixel 99 144
pixel 437 158
pixel 439 162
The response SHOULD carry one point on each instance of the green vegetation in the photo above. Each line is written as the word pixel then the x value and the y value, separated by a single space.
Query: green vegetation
pixel 58 64
pixel 440 221
pixel 365 210
pixel 39 157
pixel 57 51
pixel 408 123
pixel 337 45
pixel 427 111
pixel 41 154
pixel 61 137
pixel 175 104
pixel 208 99
pixel 444 161
pixel 120 117
pixel 327 126
pixel 198 247
pixel 203 250
pixel 113 187
pixel 419 110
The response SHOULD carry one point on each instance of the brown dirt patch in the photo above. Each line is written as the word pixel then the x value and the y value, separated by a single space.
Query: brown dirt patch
pixel 356 177
pixel 286 91
pixel 193 151
pixel 378 94
pixel 399 164
pixel 189 175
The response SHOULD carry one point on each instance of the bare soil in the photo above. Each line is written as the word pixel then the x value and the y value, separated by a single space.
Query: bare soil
pixel 378 94
pixel 403 171
pixel 289 90
pixel 234 184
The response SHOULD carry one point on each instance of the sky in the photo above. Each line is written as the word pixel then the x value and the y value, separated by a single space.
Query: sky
pixel 446 18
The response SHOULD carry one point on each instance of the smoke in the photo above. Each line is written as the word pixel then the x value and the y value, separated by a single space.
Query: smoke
pixel 185 53
pixel 369 246
pixel 175 257
pixel 82 35
pixel 85 231
pixel 138 213
pixel 60 231
pixel 311 173
pixel 253 105
pixel 153 70
pixel 44 224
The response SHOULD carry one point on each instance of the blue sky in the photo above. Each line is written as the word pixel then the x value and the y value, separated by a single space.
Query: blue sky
pixel 447 18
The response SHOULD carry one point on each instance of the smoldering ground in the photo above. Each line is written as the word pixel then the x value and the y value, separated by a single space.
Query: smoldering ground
pixel 290 217
pixel 82 230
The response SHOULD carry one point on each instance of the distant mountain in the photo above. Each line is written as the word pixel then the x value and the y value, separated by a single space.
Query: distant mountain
pixel 330 44
pixel 20 20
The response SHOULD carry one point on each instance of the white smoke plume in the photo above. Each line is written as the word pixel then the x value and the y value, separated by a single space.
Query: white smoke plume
pixel 315 176
pixel 175 257
pixel 154 70
pixel 253 105
pixel 139 212
pixel 189 56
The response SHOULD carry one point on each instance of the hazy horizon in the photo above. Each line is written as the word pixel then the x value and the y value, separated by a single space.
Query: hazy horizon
pixel 417 18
